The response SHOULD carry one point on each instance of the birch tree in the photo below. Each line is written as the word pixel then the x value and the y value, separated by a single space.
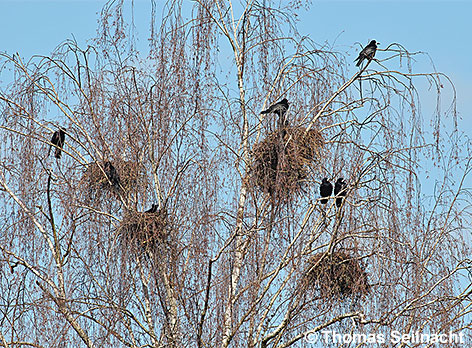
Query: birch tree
pixel 180 216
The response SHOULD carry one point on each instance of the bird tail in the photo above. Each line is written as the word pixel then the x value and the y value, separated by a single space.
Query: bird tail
pixel 359 61
pixel 265 112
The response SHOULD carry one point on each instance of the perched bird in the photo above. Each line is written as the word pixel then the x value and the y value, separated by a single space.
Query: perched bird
pixel 326 189
pixel 112 174
pixel 367 52
pixel 279 108
pixel 58 139
pixel 153 209
pixel 340 191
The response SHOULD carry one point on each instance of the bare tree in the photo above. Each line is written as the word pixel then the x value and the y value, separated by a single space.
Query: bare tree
pixel 179 215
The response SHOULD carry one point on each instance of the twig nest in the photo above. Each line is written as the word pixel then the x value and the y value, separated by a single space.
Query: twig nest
pixel 337 275
pixel 280 161
pixel 142 232
pixel 112 175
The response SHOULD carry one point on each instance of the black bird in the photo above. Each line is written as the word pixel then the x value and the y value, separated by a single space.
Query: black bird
pixel 153 209
pixel 58 139
pixel 340 191
pixel 367 52
pixel 326 189
pixel 112 174
pixel 279 108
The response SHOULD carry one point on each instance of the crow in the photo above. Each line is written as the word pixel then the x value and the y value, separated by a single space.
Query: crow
pixel 326 189
pixel 153 209
pixel 57 140
pixel 367 52
pixel 340 191
pixel 112 174
pixel 280 109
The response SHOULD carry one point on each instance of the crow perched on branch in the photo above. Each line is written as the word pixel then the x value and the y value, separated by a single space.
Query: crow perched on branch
pixel 112 174
pixel 340 191
pixel 57 140
pixel 280 109
pixel 326 189
pixel 368 52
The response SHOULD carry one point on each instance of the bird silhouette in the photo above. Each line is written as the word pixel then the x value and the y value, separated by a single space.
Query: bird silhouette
pixel 368 52
pixel 326 189
pixel 153 209
pixel 57 140
pixel 112 174
pixel 340 191
pixel 280 109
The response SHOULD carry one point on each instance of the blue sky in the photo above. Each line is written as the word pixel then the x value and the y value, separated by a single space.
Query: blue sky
pixel 440 28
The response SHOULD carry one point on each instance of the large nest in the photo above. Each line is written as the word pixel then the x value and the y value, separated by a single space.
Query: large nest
pixel 280 161
pixel 118 175
pixel 144 232
pixel 337 275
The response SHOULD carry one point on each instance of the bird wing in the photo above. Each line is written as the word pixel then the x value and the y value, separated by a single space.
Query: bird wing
pixel 361 58
pixel 371 52
pixel 337 188
pixel 367 52
pixel 55 138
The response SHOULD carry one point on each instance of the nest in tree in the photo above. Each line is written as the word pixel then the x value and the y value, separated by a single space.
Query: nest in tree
pixel 112 175
pixel 280 161
pixel 337 275
pixel 141 232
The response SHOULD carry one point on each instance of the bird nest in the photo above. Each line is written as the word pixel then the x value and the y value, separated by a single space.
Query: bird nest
pixel 112 175
pixel 337 275
pixel 144 232
pixel 281 160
